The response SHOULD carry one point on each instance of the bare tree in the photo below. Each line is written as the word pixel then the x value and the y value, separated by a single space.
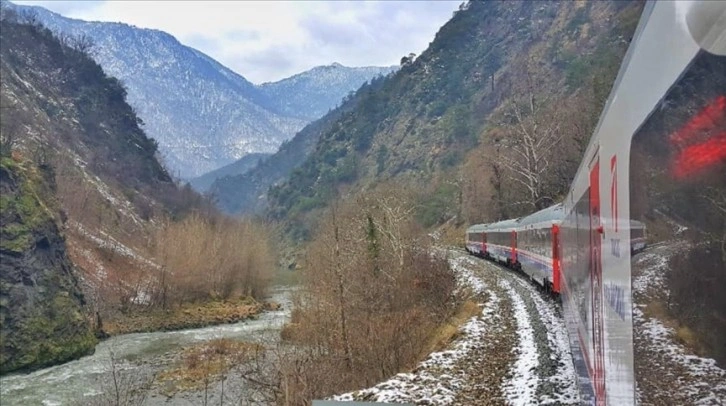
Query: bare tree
pixel 9 128
pixel 341 291
pixel 83 43
pixel 532 132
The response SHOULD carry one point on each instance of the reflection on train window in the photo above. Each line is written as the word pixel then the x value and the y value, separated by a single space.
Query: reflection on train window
pixel 678 195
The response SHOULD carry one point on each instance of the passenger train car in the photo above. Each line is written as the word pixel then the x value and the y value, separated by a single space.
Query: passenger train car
pixel 475 242
pixel 531 244
pixel 538 247
pixel 501 242
pixel 670 99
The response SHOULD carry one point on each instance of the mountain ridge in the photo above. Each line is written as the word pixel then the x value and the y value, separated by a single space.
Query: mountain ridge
pixel 443 122
pixel 203 114
pixel 309 93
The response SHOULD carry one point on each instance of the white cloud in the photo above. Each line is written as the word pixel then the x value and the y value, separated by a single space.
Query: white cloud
pixel 270 40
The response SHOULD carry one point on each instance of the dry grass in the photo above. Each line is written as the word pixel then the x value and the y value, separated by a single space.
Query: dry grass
pixel 205 363
pixel 189 315
pixel 218 257
pixel 449 331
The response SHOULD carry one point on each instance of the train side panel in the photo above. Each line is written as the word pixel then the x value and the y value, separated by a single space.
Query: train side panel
pixel 501 241
pixel 537 244
pixel 535 253
pixel 475 240
pixel 596 235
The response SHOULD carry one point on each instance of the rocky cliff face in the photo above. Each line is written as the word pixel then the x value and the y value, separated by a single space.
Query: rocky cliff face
pixel 41 305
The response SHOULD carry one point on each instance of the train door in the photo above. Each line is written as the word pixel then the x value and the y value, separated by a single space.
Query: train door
pixel 556 258
pixel 596 231
pixel 514 249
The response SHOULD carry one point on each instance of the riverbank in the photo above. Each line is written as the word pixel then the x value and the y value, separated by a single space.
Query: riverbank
pixel 186 316
pixel 136 361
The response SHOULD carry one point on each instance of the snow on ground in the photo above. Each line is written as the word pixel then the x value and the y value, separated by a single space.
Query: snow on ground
pixel 692 369
pixel 564 378
pixel 108 242
pixel 435 381
pixel 122 205
pixel 498 356
pixel 653 263
pixel 462 266
pixel 665 368
pixel 521 386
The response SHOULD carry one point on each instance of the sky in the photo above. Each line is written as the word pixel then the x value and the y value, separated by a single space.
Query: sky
pixel 270 40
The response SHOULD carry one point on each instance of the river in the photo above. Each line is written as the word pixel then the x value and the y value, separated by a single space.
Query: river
pixel 135 356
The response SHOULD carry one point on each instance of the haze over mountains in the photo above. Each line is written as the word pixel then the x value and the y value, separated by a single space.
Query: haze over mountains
pixel 204 115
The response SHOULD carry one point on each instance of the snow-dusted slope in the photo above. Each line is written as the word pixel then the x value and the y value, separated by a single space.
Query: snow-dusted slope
pixel 667 369
pixel 310 94
pixel 203 115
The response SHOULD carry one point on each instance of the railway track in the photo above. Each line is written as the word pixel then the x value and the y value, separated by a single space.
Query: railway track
pixel 516 352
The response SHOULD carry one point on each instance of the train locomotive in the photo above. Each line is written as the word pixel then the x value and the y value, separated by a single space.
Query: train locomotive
pixel 581 249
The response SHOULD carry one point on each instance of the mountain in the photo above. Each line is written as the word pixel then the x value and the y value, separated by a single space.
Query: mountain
pixel 247 192
pixel 311 94
pixel 447 120
pixel 203 115
pixel 307 95
pixel 239 167
pixel 80 184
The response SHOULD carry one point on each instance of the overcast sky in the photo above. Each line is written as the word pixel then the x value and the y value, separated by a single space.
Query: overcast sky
pixel 270 40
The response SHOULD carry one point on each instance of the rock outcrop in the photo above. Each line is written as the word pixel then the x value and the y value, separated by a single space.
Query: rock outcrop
pixel 42 311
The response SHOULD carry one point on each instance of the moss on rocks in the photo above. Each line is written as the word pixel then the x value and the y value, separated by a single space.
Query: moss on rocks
pixel 42 313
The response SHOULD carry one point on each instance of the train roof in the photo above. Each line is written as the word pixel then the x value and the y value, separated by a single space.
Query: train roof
pixel 476 228
pixel 554 214
pixel 504 225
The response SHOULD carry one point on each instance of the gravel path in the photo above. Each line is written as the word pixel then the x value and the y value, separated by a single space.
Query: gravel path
pixel 515 352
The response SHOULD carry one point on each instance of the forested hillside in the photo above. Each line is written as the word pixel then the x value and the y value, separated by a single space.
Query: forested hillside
pixel 461 120
pixel 81 182
pixel 239 167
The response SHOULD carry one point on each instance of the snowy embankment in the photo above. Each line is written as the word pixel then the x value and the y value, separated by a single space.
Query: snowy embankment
pixel 514 352
pixel 666 370
pixel 520 389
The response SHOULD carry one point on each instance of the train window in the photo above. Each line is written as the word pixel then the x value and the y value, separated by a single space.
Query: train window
pixel 678 197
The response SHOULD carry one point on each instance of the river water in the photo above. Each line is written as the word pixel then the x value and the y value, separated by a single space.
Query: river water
pixel 135 356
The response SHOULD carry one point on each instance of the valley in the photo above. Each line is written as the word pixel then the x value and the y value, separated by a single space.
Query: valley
pixel 173 233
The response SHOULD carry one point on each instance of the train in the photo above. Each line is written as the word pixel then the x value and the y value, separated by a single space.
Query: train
pixel 531 244
pixel 669 98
